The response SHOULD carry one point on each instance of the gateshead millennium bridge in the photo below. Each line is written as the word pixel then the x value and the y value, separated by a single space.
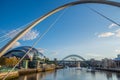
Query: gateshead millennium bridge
pixel 33 24
pixel 28 28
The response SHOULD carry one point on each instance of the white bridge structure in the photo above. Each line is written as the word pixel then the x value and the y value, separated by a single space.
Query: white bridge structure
pixel 73 61
pixel 5 48
pixel 33 24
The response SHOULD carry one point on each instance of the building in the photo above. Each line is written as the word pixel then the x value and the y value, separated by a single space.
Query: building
pixel 108 63
pixel 19 52
pixel 117 61
pixel 30 60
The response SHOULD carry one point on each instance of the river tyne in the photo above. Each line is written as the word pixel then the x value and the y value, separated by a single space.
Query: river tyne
pixel 71 74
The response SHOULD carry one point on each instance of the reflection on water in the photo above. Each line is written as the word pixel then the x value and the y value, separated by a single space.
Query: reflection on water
pixel 118 76
pixel 71 74
pixel 109 75
pixel 37 76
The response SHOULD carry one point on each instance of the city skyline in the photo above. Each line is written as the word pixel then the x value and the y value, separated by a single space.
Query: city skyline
pixel 78 31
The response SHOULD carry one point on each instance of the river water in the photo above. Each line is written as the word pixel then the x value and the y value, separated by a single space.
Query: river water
pixel 71 74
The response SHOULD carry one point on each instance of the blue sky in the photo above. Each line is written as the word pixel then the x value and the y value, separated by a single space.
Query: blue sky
pixel 78 31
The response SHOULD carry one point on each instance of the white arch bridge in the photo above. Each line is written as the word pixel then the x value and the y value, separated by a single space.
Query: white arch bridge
pixel 75 60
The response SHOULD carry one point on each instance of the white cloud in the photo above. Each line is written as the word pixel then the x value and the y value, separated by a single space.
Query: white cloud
pixel 117 33
pixel 12 33
pixel 41 50
pixel 54 53
pixel 106 34
pixel 16 44
pixel 109 34
pixel 112 25
pixel 32 34
pixel 117 50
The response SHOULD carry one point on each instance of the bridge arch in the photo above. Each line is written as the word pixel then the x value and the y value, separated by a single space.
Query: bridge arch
pixel 73 55
pixel 33 24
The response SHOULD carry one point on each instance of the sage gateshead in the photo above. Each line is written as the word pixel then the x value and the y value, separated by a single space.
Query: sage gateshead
pixel 19 52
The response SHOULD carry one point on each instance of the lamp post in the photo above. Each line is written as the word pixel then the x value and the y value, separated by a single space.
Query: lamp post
pixel 33 24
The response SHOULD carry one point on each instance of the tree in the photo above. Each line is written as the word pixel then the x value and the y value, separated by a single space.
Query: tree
pixel 2 60
pixel 12 61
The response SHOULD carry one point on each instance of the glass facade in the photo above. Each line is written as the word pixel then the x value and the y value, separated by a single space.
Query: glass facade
pixel 21 51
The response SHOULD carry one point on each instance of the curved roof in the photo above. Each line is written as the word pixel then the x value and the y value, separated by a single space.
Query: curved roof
pixel 20 52
pixel 116 59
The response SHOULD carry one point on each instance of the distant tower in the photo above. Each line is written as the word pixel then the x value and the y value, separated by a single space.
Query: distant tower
pixel 118 55
pixel 78 65
pixel 55 61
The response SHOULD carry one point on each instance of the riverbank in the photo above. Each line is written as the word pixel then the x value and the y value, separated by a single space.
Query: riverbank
pixel 109 69
pixel 12 75
pixel 20 72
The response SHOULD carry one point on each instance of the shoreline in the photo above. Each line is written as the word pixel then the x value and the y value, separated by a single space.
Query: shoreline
pixel 16 74
pixel 109 69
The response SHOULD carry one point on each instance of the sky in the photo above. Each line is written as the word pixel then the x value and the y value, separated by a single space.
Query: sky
pixel 78 30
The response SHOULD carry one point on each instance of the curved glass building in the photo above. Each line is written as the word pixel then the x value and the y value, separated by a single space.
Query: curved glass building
pixel 19 52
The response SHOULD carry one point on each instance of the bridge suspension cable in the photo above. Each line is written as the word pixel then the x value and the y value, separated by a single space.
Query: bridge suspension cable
pixel 28 28
pixel 21 27
pixel 109 19
pixel 41 36
pixel 7 46
pixel 6 36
